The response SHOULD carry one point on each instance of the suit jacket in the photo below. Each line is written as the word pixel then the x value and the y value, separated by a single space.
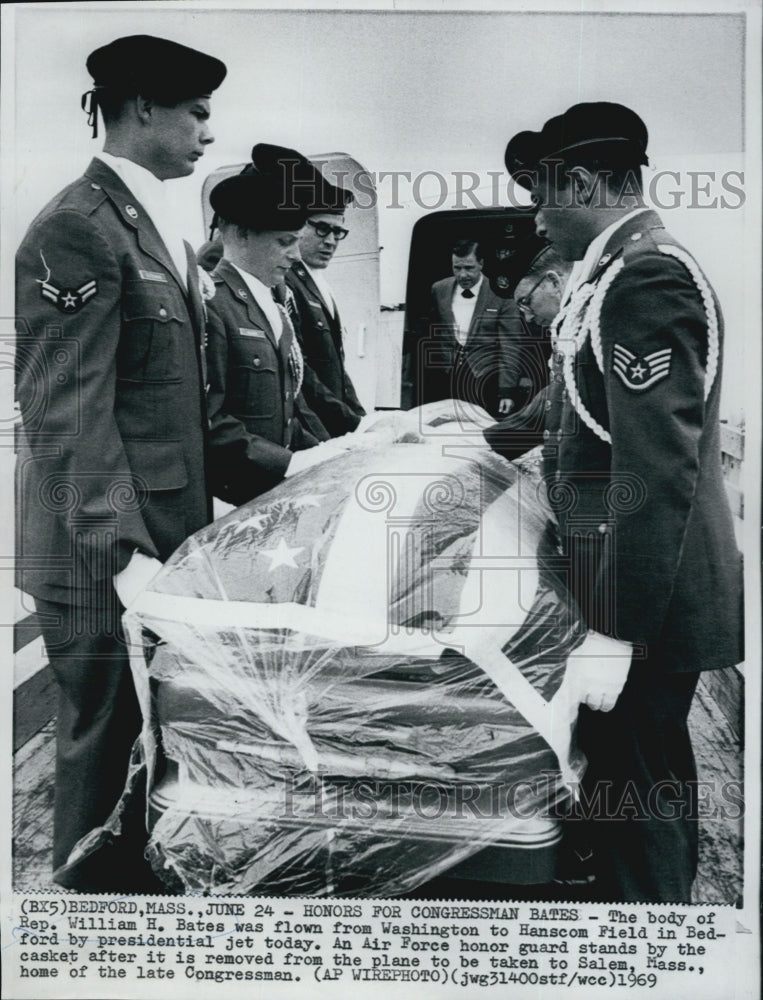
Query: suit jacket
pixel 494 340
pixel 327 388
pixel 110 384
pixel 252 386
pixel 645 518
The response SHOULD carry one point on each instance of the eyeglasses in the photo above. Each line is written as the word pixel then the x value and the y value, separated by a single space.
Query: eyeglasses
pixel 524 304
pixel 323 229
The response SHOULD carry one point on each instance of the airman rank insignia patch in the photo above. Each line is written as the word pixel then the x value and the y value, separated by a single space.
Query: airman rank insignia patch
pixel 638 373
pixel 69 300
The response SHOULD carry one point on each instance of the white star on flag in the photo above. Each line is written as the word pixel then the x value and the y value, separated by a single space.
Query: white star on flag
pixel 281 555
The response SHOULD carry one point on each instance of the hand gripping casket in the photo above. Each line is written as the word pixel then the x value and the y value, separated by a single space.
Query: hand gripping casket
pixel 356 682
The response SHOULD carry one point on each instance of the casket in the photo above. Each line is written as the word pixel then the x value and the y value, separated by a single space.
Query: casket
pixel 357 682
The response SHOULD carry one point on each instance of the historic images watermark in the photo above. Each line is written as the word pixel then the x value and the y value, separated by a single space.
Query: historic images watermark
pixel 468 189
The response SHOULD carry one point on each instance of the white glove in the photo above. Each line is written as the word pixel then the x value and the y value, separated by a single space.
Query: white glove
pixel 135 577
pixel 599 670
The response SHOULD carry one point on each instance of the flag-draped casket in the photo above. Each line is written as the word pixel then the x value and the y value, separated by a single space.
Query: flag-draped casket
pixel 356 682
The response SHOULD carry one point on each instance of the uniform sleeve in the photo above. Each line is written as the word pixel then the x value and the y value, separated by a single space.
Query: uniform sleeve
pixel 520 431
pixel 337 416
pixel 654 341
pixel 68 306
pixel 241 465
pixel 510 339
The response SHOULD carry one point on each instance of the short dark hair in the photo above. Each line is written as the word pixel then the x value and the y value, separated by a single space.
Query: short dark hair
pixel 547 260
pixel 464 248
pixel 112 103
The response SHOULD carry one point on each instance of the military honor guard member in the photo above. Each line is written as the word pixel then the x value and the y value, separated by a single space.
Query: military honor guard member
pixel 327 389
pixel 473 350
pixel 255 364
pixel 110 382
pixel 632 466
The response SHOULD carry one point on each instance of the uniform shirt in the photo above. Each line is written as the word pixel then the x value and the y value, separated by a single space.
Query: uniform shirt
pixel 153 195
pixel 263 296
pixel 463 310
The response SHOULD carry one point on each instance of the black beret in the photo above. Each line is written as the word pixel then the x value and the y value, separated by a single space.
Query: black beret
pixel 156 68
pixel 257 201
pixel 306 184
pixel 600 128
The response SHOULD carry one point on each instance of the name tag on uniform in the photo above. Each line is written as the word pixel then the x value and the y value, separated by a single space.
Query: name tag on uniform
pixel 246 331
pixel 152 276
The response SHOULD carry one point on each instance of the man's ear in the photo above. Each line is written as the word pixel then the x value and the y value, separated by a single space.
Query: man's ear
pixel 144 108
pixel 583 184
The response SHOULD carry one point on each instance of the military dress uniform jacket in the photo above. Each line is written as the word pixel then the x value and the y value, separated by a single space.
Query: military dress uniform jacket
pixel 327 388
pixel 253 381
pixel 110 383
pixel 632 453
pixel 493 347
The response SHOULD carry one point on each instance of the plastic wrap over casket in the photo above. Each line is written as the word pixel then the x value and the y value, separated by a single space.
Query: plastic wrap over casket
pixel 356 680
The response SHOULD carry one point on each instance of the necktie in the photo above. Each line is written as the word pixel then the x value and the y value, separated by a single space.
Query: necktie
pixel 467 294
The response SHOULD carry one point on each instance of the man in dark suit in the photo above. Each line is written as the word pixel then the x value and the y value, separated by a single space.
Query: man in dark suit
pixel 327 389
pixel 538 295
pixel 255 365
pixel 473 350
pixel 110 382
pixel 632 465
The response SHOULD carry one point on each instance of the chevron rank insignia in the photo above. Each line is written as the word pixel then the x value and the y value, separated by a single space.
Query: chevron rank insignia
pixel 638 373
pixel 69 300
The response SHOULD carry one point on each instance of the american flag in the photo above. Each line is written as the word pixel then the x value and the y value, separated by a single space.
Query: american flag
pixel 336 666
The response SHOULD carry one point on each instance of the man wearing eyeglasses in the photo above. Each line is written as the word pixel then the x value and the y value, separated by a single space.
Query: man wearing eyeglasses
pixel 538 296
pixel 327 388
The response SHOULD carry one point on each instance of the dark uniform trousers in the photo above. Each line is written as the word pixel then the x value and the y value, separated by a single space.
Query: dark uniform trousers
pixel 113 462
pixel 645 537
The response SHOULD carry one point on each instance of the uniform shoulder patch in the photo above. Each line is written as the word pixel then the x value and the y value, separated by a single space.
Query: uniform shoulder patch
pixel 67 300
pixel 639 372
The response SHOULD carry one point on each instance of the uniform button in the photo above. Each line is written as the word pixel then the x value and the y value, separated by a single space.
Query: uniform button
pixel 320 322
pixel 256 362
pixel 546 435
pixel 602 529
pixel 559 434
pixel 163 312
pixel 635 236
pixel 548 404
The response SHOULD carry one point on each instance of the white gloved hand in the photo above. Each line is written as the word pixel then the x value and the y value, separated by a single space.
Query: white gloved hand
pixel 135 577
pixel 599 670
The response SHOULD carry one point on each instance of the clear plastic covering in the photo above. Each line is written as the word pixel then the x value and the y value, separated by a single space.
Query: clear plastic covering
pixel 357 680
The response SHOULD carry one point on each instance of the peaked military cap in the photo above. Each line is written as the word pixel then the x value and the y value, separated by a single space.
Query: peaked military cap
pixel 307 185
pixel 594 129
pixel 156 68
